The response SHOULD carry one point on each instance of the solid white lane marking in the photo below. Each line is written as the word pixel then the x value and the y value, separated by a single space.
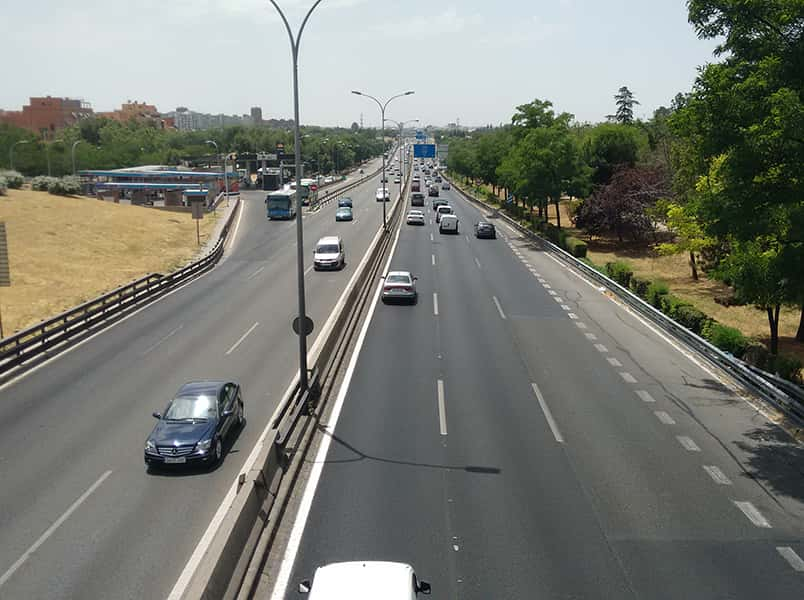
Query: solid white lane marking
pixel 645 396
pixel 601 348
pixel 718 476
pixel 627 377
pixel 499 308
pixel 590 336
pixel 49 531
pixel 242 337
pixel 435 304
pixel 614 362
pixel 467 238
pixel 294 540
pixel 442 410
pixel 433 257
pixel 308 269
pixel 565 307
pixel 547 414
pixel 477 262
pixel 793 559
pixel 164 339
pixel 753 515
pixel 688 443
pixel 664 417
pixel 581 325
pixel 572 315
pixel 255 273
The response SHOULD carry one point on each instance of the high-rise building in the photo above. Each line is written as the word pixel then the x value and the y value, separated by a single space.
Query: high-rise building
pixel 256 115
pixel 48 115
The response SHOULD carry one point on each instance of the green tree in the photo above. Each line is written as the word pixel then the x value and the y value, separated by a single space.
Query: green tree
pixel 690 236
pixel 625 101
pixel 608 147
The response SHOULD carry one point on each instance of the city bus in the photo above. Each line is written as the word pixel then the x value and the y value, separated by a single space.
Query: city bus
pixel 281 204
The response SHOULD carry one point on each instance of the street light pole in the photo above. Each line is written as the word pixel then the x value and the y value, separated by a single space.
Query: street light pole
pixel 72 152
pixel 47 153
pixel 225 177
pixel 401 152
pixel 382 125
pixel 11 152
pixel 294 46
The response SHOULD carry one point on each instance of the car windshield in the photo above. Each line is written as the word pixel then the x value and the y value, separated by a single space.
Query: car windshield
pixel 397 279
pixel 344 211
pixel 327 249
pixel 186 408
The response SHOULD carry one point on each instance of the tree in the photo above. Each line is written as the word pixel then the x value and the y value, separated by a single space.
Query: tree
pixel 625 101
pixel 690 237
pixel 609 147
pixel 354 126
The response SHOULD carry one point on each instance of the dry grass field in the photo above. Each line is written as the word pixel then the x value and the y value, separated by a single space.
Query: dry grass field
pixel 66 250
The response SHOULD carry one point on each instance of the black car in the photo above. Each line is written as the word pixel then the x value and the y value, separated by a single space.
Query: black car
pixel 433 191
pixel 195 423
pixel 344 202
pixel 438 202
pixel 485 230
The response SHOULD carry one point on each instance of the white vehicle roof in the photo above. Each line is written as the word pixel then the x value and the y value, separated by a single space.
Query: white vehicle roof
pixel 363 581
pixel 447 208
pixel 449 218
pixel 330 239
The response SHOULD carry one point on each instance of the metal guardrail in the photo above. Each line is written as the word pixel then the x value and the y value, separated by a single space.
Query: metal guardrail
pixel 783 394
pixel 74 324
pixel 230 567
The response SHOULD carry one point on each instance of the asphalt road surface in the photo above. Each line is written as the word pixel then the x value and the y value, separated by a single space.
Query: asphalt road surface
pixel 530 438
pixel 79 515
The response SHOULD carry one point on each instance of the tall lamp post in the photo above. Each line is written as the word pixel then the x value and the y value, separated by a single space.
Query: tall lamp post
pixel 47 153
pixel 294 47
pixel 72 152
pixel 382 113
pixel 401 127
pixel 11 152
pixel 225 174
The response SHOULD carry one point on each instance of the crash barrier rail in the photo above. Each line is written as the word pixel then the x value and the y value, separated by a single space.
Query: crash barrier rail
pixel 783 394
pixel 231 565
pixel 335 194
pixel 74 324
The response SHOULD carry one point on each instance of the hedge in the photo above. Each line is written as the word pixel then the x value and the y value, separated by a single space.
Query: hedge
pixel 66 186
pixel 726 338
pixel 654 293
pixel 3 185
pixel 620 272
pixel 575 246
pixel 42 183
pixel 14 179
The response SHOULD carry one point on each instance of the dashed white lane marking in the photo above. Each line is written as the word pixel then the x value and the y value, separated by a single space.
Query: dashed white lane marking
pixel 565 307
pixel 308 269
pixel 435 304
pixel 581 325
pixel 255 273
pixel 164 339
pixel 614 362
pixel 546 286
pixel 467 238
pixel 477 262
pixel 718 476
pixel 541 280
pixel 431 237
pixel 433 257
pixel 664 417
pixel 553 293
pixel 242 337
pixel 590 336
pixel 753 515
pixel 558 299
pixel 645 396
pixel 442 410
pixel 688 443
pixel 627 377
pixel 547 414
pixel 793 559
pixel 537 274
pixel 50 530
pixel 499 308
pixel 601 348
pixel 572 315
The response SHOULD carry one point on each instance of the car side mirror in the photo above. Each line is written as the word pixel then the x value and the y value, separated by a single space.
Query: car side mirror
pixel 228 412
pixel 156 415
pixel 415 278
pixel 305 586
pixel 424 588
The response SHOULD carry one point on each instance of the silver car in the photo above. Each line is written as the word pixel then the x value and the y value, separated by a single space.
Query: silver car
pixel 415 217
pixel 399 286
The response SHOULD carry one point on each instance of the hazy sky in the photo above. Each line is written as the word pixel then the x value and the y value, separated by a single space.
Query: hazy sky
pixel 472 60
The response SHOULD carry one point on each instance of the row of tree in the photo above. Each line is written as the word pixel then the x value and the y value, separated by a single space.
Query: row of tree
pixel 721 167
pixel 108 144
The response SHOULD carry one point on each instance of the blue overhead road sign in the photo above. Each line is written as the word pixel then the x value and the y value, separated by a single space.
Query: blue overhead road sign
pixel 424 150
pixel 420 135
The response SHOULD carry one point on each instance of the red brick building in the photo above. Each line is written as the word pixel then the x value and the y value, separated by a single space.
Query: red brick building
pixel 47 115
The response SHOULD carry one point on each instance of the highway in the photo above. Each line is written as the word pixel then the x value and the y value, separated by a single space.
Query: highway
pixel 518 434
pixel 79 515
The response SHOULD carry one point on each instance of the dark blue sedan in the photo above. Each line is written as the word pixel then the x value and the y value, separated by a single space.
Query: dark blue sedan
pixel 195 423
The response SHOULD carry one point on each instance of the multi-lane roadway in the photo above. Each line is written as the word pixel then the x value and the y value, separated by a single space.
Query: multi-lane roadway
pixel 518 434
pixel 79 516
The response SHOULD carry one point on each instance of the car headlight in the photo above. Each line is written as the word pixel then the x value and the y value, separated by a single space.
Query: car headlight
pixel 204 445
pixel 150 446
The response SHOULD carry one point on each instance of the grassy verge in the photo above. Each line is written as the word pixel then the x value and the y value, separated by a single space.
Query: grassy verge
pixel 67 250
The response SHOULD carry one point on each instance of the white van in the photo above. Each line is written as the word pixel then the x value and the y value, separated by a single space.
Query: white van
pixel 448 224
pixel 444 209
pixel 383 192
pixel 329 253
pixel 369 580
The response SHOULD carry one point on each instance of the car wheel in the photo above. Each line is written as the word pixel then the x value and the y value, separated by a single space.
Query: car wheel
pixel 241 415
pixel 218 453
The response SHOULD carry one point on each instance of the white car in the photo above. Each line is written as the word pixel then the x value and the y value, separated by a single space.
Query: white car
pixel 448 224
pixel 329 253
pixel 399 285
pixel 444 209
pixel 383 193
pixel 370 580
pixel 415 217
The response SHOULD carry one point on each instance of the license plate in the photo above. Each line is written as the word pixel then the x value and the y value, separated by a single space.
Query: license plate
pixel 175 460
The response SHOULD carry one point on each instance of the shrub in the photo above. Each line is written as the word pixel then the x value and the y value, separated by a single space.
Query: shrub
pixel 42 182
pixel 66 186
pixel 726 338
pixel 3 186
pixel 691 318
pixel 654 293
pixel 575 247
pixel 492 198
pixel 670 304
pixel 757 354
pixel 640 286
pixel 620 272
pixel 787 367
pixel 14 179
